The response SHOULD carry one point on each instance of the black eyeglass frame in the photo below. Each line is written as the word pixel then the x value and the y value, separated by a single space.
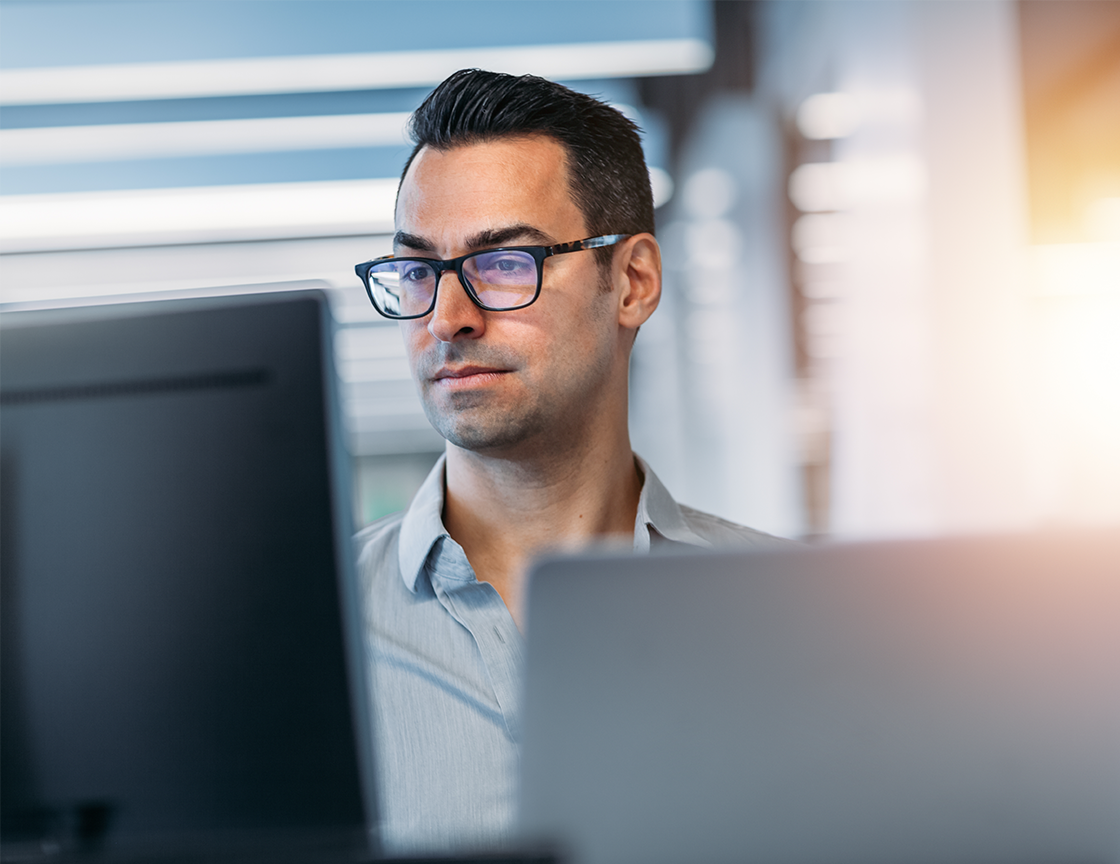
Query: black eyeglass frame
pixel 539 253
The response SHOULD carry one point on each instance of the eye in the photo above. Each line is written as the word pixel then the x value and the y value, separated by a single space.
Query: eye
pixel 416 273
pixel 506 267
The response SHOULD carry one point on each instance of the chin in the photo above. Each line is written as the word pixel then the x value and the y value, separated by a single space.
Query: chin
pixel 486 435
pixel 481 440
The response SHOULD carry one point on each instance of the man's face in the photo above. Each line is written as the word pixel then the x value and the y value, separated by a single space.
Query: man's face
pixel 502 381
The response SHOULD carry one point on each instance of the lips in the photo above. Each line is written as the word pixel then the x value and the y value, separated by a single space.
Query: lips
pixel 467 376
pixel 458 365
pixel 466 372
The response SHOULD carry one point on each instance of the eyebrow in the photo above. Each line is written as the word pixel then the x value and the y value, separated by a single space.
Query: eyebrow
pixel 501 236
pixel 411 241
pixel 487 239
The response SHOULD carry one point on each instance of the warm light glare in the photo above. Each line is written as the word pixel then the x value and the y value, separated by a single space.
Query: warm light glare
pixel 1103 219
pixel 1076 380
pixel 1071 269
pixel 1079 379
pixel 1090 352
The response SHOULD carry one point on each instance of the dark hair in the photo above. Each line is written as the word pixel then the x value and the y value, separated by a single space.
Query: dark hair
pixel 607 169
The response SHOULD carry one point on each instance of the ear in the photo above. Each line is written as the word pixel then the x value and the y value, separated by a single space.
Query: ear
pixel 638 276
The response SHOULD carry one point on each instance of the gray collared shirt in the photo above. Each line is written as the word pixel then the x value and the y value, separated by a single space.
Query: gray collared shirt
pixel 446 666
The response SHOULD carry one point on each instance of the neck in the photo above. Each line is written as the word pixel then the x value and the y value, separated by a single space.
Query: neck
pixel 505 510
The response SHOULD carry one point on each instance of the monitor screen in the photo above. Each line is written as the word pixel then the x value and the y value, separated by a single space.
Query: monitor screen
pixel 180 627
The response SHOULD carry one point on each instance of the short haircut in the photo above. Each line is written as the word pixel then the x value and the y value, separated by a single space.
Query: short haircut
pixel 607 169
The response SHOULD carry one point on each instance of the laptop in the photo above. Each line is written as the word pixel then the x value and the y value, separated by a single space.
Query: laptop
pixel 953 700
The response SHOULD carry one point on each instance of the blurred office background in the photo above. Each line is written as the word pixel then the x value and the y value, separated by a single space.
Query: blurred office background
pixel 891 229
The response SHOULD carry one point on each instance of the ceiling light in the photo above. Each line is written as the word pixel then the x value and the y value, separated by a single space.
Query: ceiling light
pixel 337 72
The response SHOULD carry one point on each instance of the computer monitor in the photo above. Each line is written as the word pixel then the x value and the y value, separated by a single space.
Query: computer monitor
pixel 182 654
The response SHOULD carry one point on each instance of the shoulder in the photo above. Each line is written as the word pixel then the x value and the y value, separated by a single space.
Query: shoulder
pixel 377 542
pixel 722 532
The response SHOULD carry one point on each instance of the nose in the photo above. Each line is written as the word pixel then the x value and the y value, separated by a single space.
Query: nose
pixel 455 316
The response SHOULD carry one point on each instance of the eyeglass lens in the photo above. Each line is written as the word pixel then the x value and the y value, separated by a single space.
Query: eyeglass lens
pixel 500 280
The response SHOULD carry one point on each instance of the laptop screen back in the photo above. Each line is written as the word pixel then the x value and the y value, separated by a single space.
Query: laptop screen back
pixel 954 700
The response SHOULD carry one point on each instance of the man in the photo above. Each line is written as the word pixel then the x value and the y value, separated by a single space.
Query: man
pixel 521 358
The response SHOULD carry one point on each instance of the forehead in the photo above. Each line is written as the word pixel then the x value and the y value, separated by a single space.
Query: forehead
pixel 451 194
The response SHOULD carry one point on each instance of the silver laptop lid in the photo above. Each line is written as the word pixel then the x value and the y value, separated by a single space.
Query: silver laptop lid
pixel 932 701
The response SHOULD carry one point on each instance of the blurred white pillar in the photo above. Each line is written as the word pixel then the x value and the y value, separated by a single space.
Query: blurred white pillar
pixel 978 233
pixel 928 409
pixel 882 450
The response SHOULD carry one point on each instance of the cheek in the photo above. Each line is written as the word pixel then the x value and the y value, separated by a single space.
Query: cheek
pixel 594 323
pixel 581 339
pixel 414 336
pixel 548 335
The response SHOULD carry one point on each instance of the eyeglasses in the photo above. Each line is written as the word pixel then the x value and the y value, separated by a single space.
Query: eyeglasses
pixel 497 280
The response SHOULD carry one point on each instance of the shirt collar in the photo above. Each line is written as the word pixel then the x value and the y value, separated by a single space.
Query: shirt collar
pixel 660 514
pixel 422 526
